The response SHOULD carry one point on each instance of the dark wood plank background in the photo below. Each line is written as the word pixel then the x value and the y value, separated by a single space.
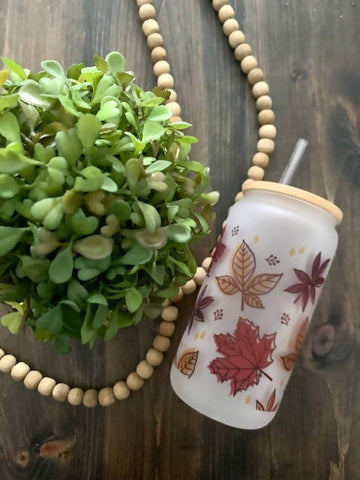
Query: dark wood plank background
pixel 309 50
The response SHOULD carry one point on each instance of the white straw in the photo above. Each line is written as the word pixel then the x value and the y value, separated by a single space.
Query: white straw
pixel 294 161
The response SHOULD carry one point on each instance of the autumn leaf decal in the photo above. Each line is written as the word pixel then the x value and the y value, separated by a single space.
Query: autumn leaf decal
pixel 187 361
pixel 245 356
pixel 305 288
pixel 269 407
pixel 243 280
pixel 288 361
pixel 219 250
pixel 202 302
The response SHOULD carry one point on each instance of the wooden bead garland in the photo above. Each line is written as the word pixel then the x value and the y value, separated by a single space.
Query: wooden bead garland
pixel 231 25
pixel 236 38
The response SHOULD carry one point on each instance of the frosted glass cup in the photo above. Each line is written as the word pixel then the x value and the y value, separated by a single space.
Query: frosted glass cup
pixel 252 311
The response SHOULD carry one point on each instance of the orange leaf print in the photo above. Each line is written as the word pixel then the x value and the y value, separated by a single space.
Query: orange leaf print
pixel 243 265
pixel 187 361
pixel 288 361
pixel 269 407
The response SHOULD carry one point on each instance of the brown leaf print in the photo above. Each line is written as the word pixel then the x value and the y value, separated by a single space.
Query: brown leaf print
pixel 288 361
pixel 243 267
pixel 202 302
pixel 269 407
pixel 187 361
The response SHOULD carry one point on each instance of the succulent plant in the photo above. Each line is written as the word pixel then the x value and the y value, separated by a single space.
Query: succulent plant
pixel 99 200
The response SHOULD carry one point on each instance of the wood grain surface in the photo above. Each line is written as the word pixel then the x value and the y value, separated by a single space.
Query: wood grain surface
pixel 309 50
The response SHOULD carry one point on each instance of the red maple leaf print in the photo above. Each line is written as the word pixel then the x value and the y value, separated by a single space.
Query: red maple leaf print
pixel 202 302
pixel 269 407
pixel 245 356
pixel 219 250
pixel 306 288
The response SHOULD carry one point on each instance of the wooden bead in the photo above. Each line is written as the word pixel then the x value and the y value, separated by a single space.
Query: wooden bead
pixel 206 263
pixel 158 53
pixel 150 26
pixel 179 296
pixel 247 182
pixel 266 116
pixel 146 11
pixel 231 25
pixel 260 88
pixel 2 353
pixel 173 95
pixel 236 38
pixel 264 102
pixel 260 159
pixel 226 12
pixel 267 131
pixel 154 357
pixel 106 397
pixel 161 343
pixel 144 369
pixel 175 108
pixel 189 287
pixel 46 386
pixel 121 390
pixel 166 329
pixel 170 313
pixel 256 173
pixel 242 51
pixel 60 392
pixel 255 75
pixel 143 2
pixel 165 81
pixel 239 197
pixel 75 396
pixel 134 382
pixel 265 145
pixel 161 67
pixel 217 4
pixel 175 119
pixel 6 363
pixel 248 63
pixel 155 40
pixel 90 398
pixel 32 379
pixel 200 275
pixel 19 371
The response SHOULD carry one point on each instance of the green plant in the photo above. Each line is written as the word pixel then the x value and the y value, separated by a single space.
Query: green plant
pixel 98 200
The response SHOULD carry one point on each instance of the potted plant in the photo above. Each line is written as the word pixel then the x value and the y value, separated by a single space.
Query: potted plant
pixel 99 200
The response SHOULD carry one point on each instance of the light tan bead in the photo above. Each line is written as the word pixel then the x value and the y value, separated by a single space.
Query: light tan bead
pixel 166 329
pixel 150 26
pixel 256 173
pixel 32 379
pixel 200 275
pixel 46 386
pixel 155 40
pixel 267 131
pixel 265 145
pixel 236 38
pixel 161 67
pixel 2 353
pixel 264 102
pixel 161 343
pixel 170 313
pixel 60 392
pixel 134 382
pixel 146 11
pixel 106 397
pixel 239 197
pixel 217 4
pixel 226 12
pixel 242 51
pixel 158 53
pixel 179 296
pixel 206 263
pixel 175 119
pixel 173 95
pixel 247 181
pixel 154 357
pixel 248 63
pixel 76 396
pixel 121 390
pixel 175 108
pixel 260 88
pixel 143 2
pixel 19 371
pixel 261 159
pixel 231 25
pixel 144 369
pixel 165 81
pixel 6 363
pixel 255 75
pixel 90 398
pixel 266 116
pixel 189 287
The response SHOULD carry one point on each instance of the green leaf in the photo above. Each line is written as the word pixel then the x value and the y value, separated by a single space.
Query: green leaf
pixel 53 67
pixel 109 185
pixel 52 320
pixel 133 171
pixel 14 67
pixel 152 310
pixel 61 345
pixel 94 178
pixel 12 161
pixel 100 63
pixel 95 247
pixel 12 321
pixel 133 299
pixel 9 127
pixel 68 105
pixel 187 139
pixel 169 292
pixel 160 114
pixel 154 240
pixel 35 268
pixel 121 210
pixel 76 292
pixel 9 237
pixel 158 166
pixel 88 128
pixel 8 186
pixel 97 298
pixel 74 70
pixel 110 110
pixel 115 62
pixel 151 216
pixel 8 101
pixel 83 225
pixel 180 125
pixel 61 267
pixel 152 131
pixel 137 256
pixel 179 233
pixel 31 93
pixel 101 315
pixel 69 145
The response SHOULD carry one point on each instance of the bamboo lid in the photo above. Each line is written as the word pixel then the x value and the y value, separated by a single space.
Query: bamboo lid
pixel 297 193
